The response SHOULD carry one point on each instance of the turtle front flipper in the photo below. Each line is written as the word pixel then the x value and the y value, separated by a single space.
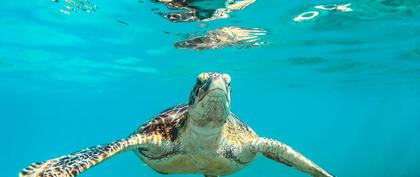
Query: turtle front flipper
pixel 280 152
pixel 73 164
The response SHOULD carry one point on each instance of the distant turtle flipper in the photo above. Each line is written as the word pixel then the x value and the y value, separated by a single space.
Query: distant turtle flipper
pixel 73 164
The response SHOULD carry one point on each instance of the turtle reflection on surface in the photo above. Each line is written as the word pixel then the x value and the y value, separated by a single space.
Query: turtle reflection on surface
pixel 201 10
pixel 224 37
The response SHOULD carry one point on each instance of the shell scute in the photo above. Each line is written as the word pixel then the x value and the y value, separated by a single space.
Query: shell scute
pixel 167 123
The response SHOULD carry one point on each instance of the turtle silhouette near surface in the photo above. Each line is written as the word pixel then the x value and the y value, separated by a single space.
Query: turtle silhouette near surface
pixel 200 137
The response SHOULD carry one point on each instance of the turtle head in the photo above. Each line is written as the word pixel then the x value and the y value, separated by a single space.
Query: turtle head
pixel 209 102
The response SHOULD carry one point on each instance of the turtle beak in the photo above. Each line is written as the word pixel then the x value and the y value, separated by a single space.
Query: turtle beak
pixel 218 89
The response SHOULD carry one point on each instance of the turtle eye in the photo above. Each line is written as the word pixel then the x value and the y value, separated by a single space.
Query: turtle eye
pixel 203 77
pixel 226 77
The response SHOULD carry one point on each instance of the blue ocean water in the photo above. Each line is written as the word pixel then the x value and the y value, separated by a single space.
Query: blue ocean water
pixel 342 88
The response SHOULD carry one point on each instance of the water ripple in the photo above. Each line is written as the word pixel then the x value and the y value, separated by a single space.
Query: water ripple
pixel 73 6
pixel 324 8
pixel 374 9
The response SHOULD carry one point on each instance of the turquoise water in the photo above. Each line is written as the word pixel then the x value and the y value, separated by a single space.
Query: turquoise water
pixel 342 88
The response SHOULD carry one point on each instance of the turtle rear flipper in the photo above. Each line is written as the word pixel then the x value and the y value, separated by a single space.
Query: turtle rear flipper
pixel 73 164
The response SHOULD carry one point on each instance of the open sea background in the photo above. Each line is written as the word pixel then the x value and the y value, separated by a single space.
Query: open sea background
pixel 342 88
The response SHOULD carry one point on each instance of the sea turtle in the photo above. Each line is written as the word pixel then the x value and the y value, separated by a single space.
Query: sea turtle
pixel 224 37
pixel 202 136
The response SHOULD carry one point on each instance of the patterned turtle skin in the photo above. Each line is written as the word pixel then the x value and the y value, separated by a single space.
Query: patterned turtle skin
pixel 200 137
